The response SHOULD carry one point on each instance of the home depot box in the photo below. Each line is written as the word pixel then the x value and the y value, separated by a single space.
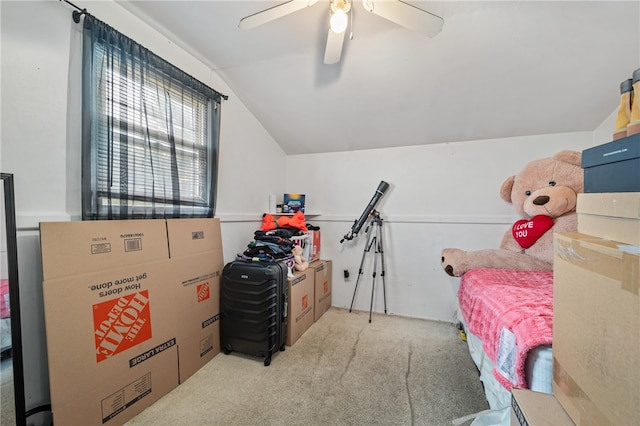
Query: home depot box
pixel 322 292
pixel 529 408
pixel 74 248
pixel 300 307
pixel 613 166
pixel 112 349
pixel 610 215
pixel 195 249
pixel 596 330
pixel 119 314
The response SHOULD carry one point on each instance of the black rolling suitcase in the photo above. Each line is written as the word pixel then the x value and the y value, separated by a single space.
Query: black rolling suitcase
pixel 253 307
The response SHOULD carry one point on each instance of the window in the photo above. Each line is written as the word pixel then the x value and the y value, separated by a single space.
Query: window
pixel 150 133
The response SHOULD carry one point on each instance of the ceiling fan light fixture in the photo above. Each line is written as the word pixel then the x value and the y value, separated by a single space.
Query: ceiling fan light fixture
pixel 338 21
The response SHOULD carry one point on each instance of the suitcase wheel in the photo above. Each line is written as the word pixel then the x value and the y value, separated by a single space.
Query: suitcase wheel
pixel 267 361
pixel 283 347
pixel 226 350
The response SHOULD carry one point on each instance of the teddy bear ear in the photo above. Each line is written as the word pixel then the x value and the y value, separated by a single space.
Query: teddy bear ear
pixel 568 156
pixel 505 189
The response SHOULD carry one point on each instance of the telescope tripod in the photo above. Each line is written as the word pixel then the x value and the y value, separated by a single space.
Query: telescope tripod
pixel 374 239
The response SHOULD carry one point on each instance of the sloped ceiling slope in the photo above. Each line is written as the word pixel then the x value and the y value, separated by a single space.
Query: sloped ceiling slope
pixel 498 69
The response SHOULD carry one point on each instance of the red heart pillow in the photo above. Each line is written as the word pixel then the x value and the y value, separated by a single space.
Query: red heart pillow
pixel 527 232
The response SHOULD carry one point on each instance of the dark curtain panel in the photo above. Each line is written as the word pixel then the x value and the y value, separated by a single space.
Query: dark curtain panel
pixel 150 132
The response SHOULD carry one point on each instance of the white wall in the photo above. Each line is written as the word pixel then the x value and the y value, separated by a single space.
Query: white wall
pixel 604 132
pixel 40 144
pixel 440 196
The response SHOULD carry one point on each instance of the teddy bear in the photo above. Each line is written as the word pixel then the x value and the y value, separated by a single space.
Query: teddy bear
pixel 300 263
pixel 544 194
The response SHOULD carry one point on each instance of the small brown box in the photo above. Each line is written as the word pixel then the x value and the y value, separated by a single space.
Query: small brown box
pixel 300 304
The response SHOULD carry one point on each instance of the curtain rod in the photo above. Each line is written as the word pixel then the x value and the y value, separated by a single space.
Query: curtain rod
pixel 76 14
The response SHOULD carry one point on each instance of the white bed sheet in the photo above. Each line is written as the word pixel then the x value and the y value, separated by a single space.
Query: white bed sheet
pixel 538 371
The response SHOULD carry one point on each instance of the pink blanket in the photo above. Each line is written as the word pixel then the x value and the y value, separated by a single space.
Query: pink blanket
pixel 518 301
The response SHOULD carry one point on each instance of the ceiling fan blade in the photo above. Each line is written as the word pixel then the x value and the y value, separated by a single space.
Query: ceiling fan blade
pixel 275 12
pixel 406 15
pixel 334 47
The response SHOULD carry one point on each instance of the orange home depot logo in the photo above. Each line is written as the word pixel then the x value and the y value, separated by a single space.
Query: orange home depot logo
pixel 305 302
pixel 326 287
pixel 203 292
pixel 121 323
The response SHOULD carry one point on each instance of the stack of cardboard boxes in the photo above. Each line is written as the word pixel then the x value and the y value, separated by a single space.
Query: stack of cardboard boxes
pixel 309 298
pixel 131 311
pixel 309 290
pixel 596 323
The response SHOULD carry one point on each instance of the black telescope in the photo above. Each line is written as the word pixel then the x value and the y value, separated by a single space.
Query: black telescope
pixel 382 188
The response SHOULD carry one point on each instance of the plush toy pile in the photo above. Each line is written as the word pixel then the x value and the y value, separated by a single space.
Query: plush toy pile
pixel 544 194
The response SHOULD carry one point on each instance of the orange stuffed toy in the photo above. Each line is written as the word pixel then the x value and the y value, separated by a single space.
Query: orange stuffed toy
pixel 296 221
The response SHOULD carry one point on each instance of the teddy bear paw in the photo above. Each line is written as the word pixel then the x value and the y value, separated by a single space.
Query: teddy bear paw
pixel 450 260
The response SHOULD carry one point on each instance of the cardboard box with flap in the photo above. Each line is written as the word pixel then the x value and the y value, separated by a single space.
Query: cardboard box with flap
pixel 596 323
pixel 610 215
pixel 131 311
pixel 300 307
pixel 529 408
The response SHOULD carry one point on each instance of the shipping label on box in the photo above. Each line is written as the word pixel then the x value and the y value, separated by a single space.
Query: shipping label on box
pixel 300 307
pixel 596 323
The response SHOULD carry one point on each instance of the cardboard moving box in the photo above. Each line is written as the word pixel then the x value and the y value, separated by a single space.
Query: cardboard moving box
pixel 529 408
pixel 195 249
pixel 300 308
pixel 610 215
pixel 125 321
pixel 322 292
pixel 596 330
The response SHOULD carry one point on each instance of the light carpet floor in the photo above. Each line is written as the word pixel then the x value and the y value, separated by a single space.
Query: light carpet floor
pixel 342 371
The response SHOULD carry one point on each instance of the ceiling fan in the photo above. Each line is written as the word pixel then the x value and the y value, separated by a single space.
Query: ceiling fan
pixel 396 11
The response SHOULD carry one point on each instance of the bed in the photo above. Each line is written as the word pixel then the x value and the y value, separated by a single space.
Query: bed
pixel 507 317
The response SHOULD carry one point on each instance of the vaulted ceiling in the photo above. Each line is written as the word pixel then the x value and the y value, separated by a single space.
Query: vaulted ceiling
pixel 497 69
